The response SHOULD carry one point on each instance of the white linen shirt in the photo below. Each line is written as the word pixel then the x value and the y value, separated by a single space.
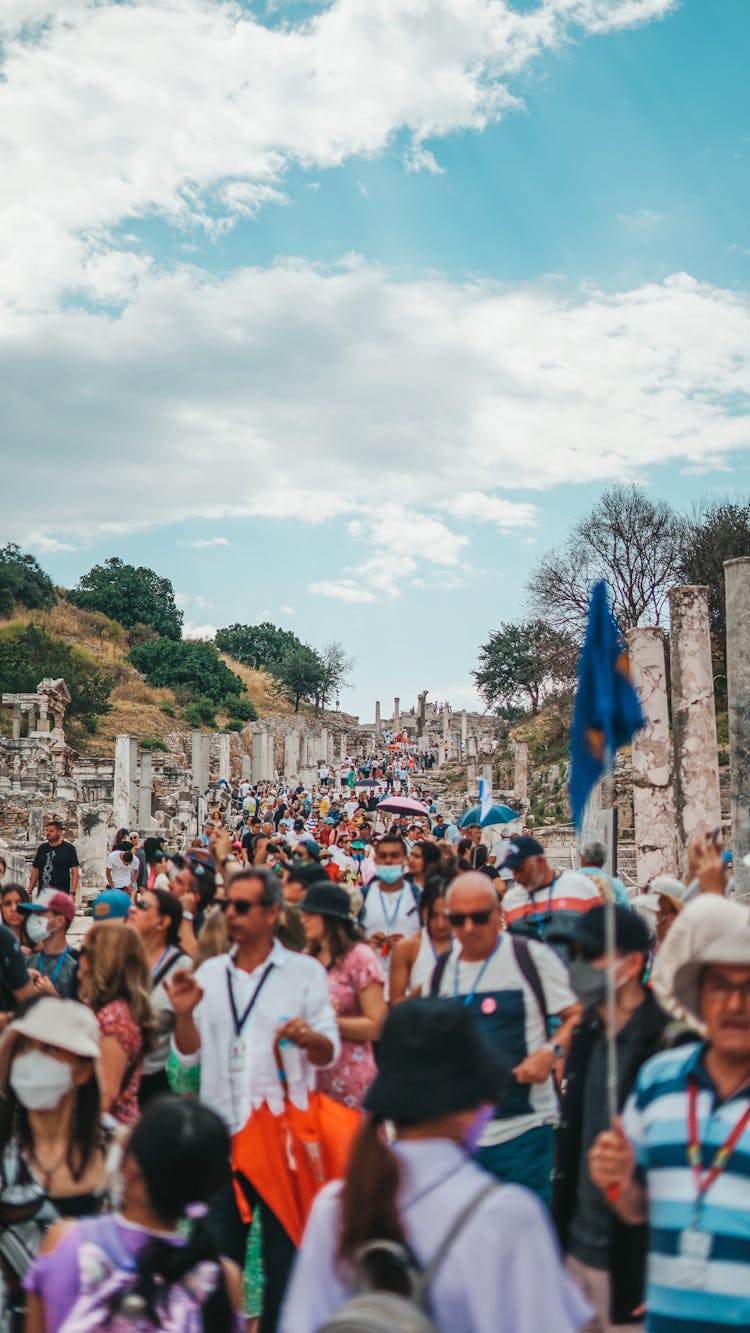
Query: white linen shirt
pixel 502 1274
pixel 296 987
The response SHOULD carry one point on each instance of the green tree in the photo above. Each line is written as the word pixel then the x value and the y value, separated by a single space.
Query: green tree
pixel 30 652
pixel 22 582
pixel 241 709
pixel 301 674
pixel 130 594
pixel 336 668
pixel 523 662
pixel 261 647
pixel 719 530
pixel 633 542
pixel 187 665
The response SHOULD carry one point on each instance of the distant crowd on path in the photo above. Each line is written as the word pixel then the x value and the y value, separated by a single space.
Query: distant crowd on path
pixel 431 1007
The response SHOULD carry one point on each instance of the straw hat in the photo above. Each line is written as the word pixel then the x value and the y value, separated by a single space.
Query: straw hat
pixel 707 918
pixel 733 950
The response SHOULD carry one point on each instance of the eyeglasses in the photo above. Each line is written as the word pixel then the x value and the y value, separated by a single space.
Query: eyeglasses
pixel 241 905
pixel 141 904
pixel 459 919
pixel 719 988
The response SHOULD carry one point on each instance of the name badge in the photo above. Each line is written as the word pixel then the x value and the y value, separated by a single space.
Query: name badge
pixel 236 1057
pixel 695 1252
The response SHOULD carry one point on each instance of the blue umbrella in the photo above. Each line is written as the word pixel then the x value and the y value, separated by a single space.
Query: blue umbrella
pixel 497 814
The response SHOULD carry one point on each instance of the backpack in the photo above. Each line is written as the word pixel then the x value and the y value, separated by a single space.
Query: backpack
pixel 526 966
pixel 373 1311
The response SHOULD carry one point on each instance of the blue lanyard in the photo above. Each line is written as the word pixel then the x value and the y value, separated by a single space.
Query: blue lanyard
pixel 61 960
pixel 467 999
pixel 159 962
pixel 390 921
pixel 539 917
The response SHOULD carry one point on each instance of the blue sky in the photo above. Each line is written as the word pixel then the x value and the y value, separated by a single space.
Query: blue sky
pixel 373 301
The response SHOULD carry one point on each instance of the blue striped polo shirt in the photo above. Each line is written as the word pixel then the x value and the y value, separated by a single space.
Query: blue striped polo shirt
pixel 656 1122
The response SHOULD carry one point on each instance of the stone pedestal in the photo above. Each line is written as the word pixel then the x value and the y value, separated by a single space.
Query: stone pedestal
pixel 696 762
pixel 737 581
pixel 653 793
pixel 122 782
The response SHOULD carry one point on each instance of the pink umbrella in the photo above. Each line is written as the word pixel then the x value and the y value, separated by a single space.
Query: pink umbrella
pixel 402 805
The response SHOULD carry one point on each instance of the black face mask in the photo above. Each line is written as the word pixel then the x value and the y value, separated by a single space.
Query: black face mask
pixel 588 982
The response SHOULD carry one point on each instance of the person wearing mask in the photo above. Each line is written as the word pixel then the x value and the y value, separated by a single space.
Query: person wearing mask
pixel 677 1160
pixel 415 957
pixel 55 865
pixel 229 1017
pixel 390 910
pixel 501 1271
pixel 122 868
pixel 55 1159
pixel 11 897
pixel 114 980
pixel 355 985
pixel 604 1256
pixel 155 1259
pixel 512 988
pixel 156 915
pixel 52 964
pixel 541 898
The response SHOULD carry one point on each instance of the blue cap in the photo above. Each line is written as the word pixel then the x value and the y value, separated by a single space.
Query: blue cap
pixel 111 905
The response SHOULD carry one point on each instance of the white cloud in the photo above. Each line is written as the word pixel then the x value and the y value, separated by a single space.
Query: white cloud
pixel 41 541
pixel 642 220
pixel 204 542
pixel 190 631
pixel 342 590
pixel 193 110
pixel 483 507
pixel 287 610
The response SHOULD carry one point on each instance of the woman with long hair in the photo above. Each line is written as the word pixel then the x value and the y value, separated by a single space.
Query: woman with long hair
pixel 437 1084
pixel 414 958
pixel 10 897
pixel 157 915
pixel 55 1159
pixel 422 862
pixel 155 1260
pixel 115 981
pixel 356 986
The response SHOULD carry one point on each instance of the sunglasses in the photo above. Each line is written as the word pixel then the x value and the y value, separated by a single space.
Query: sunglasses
pixel 459 919
pixel 240 905
pixel 141 904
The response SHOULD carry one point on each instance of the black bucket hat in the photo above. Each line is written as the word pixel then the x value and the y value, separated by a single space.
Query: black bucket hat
pixel 325 899
pixel 432 1062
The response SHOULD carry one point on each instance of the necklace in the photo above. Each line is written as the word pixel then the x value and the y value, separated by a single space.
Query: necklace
pixel 47 1172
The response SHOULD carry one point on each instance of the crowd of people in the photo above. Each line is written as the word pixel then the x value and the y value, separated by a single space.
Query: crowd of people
pixel 364 1062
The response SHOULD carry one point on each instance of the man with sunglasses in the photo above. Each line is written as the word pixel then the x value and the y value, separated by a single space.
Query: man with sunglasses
pixel 228 1016
pixel 512 988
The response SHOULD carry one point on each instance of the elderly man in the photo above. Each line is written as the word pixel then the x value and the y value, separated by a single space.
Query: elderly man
pixel 512 988
pixel 679 1158
pixel 543 899
pixel 593 860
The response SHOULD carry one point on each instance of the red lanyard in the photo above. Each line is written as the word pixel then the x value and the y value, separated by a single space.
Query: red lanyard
pixel 695 1156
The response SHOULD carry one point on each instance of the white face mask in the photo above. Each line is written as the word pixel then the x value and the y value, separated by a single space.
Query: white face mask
pixel 39 1081
pixel 37 928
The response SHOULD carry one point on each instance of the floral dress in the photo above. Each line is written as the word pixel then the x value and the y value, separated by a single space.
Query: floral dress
pixel 348 1080
pixel 115 1020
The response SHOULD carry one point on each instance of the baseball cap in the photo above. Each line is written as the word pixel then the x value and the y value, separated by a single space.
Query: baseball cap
pixel 589 931
pixel 63 1023
pixel 51 900
pixel 112 904
pixel 519 849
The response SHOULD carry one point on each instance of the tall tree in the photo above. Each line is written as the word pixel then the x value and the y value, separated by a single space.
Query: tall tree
pixel 261 647
pixel 130 594
pixel 23 582
pixel 301 674
pixel 633 542
pixel 719 530
pixel 520 663
pixel 336 668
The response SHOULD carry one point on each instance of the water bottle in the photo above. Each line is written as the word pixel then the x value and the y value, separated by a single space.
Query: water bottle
pixel 291 1057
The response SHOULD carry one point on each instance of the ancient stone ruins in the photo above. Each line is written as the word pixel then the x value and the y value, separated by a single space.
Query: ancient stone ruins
pixel 673 776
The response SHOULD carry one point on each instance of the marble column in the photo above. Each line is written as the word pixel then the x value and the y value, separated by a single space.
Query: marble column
pixel 291 756
pixel 396 715
pixel 16 720
pixel 323 744
pixel 225 750
pixel 421 712
pixel 737 581
pixel 696 760
pixel 342 746
pixel 520 771
pixel 200 756
pixel 43 719
pixel 247 767
pixel 121 802
pixel 133 782
pixel 378 723
pixel 463 750
pixel 145 792
pixel 653 793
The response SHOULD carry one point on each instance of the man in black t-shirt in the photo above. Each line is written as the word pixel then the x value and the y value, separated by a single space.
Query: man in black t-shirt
pixel 55 865
pixel 15 983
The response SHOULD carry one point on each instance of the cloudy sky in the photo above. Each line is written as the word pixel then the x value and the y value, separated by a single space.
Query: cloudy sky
pixel 338 313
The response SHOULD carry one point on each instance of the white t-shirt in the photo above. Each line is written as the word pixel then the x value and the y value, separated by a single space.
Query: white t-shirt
pixel 122 875
pixel 509 1019
pixel 389 914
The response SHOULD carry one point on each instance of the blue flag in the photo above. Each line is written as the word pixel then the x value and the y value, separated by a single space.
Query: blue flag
pixel 607 710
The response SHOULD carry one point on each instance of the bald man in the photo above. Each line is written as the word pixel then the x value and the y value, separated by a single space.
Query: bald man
pixel 513 988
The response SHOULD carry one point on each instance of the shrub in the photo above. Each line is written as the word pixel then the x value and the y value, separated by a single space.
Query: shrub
pixel 30 652
pixel 152 743
pixel 189 663
pixel 234 725
pixel 244 709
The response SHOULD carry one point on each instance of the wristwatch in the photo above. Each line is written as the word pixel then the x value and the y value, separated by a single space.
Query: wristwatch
pixel 557 1050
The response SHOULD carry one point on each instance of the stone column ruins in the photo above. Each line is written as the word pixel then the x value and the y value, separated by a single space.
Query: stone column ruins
pixel 378 723
pixel 696 760
pixel 224 755
pixel 462 753
pixel 421 712
pixel 737 581
pixel 291 755
pixel 199 762
pixel 653 794
pixel 145 791
pixel 396 714
pixel 122 782
pixel 520 771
